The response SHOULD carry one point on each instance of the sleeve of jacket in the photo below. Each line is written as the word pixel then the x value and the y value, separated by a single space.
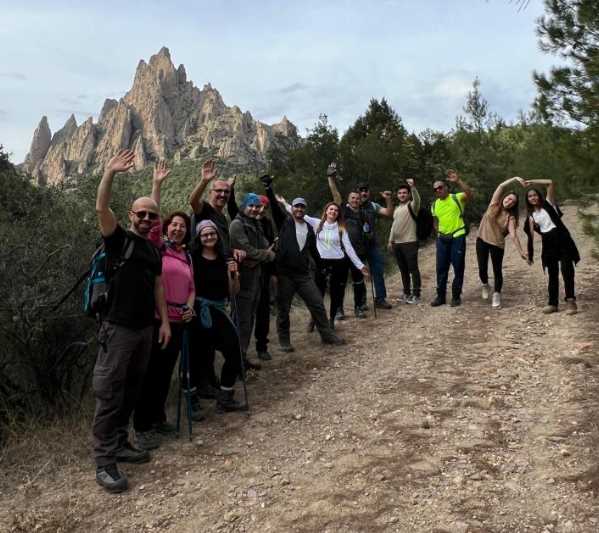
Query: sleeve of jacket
pixel 240 241
pixel 278 214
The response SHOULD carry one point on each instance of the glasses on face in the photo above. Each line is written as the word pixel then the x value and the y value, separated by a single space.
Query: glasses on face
pixel 221 191
pixel 210 235
pixel 142 214
pixel 438 188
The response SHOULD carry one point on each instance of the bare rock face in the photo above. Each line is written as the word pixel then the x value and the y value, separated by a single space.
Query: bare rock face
pixel 163 115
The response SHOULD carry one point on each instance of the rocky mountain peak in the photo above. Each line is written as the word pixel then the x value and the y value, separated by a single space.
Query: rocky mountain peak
pixel 163 115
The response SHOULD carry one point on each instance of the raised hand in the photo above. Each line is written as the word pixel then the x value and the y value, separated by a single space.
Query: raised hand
pixel 410 181
pixel 332 170
pixel 452 175
pixel 232 181
pixel 280 199
pixel 161 171
pixel 520 181
pixel 209 171
pixel 122 161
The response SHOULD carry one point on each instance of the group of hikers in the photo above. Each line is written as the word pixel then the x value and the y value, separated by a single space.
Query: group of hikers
pixel 205 283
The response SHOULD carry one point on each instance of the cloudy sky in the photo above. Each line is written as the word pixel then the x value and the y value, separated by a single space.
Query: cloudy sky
pixel 273 58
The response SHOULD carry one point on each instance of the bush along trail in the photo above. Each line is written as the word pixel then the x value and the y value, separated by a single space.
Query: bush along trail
pixel 439 420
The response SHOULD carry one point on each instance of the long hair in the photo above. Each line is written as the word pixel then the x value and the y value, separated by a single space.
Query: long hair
pixel 167 221
pixel 513 211
pixel 197 247
pixel 340 220
pixel 529 207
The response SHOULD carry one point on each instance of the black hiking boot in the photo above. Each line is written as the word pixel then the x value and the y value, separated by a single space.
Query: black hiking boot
pixel 225 403
pixel 334 340
pixel 130 454
pixel 206 391
pixel 455 302
pixel 110 478
pixel 286 347
pixel 382 304
pixel 264 355
pixel 360 313
pixel 147 440
pixel 438 301
pixel 340 315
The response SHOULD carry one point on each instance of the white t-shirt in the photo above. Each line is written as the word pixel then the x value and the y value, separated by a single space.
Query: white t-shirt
pixel 543 220
pixel 301 234
pixel 329 245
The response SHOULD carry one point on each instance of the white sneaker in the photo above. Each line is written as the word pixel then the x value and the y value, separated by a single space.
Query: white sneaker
pixel 496 302
pixel 485 292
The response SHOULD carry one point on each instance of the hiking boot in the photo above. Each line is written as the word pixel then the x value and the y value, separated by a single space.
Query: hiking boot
pixel 383 304
pixel 286 347
pixel 360 313
pixel 364 308
pixel 403 298
pixel 334 340
pixel 484 294
pixel 496 301
pixel 413 300
pixel 250 365
pixel 548 309
pixel 196 410
pixel 130 454
pixel 311 326
pixel 225 403
pixel 165 428
pixel 438 301
pixel 147 440
pixel 340 315
pixel 264 355
pixel 110 478
pixel 571 307
pixel 455 302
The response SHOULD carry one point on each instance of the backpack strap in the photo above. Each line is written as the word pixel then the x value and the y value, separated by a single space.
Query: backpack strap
pixel 455 199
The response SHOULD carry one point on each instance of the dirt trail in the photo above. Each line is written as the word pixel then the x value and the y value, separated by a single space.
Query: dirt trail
pixel 432 420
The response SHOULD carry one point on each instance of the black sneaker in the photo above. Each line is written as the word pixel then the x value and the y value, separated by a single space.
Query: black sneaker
pixel 147 440
pixel 165 428
pixel 286 347
pixel 110 478
pixel 455 302
pixel 360 313
pixel 437 302
pixel 264 355
pixel 130 454
pixel 364 308
pixel 340 315
pixel 225 403
pixel 206 391
pixel 334 340
pixel 383 304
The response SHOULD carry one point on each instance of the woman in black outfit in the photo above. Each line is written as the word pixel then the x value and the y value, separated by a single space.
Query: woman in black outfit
pixel 558 247
pixel 212 329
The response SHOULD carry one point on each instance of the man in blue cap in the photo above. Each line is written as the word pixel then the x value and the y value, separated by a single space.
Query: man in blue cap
pixel 296 256
pixel 246 234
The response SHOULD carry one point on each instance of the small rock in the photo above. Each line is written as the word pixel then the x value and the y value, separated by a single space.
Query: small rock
pixel 298 416
pixel 231 516
pixel 564 452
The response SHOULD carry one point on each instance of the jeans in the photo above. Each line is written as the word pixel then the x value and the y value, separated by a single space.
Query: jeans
pixel 450 252
pixel 376 261
pixel 483 249
pixel 406 255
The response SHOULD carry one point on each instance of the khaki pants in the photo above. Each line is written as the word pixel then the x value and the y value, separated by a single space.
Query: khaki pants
pixel 123 356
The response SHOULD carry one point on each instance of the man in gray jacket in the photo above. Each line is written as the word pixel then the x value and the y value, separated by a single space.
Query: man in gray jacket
pixel 246 234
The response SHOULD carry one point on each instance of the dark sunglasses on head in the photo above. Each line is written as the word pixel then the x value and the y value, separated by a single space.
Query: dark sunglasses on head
pixel 150 215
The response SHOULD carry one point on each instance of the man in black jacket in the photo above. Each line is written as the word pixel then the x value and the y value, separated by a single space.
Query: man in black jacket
pixel 295 259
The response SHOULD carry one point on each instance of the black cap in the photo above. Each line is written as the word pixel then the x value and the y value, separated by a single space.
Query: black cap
pixel 363 186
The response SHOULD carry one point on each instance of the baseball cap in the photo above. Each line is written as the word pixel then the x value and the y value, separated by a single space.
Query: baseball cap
pixel 299 201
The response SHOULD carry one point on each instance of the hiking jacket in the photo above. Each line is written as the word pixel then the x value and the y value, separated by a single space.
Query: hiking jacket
pixel 246 234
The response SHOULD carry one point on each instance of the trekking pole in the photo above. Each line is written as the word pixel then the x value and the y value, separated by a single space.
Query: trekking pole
pixel 235 313
pixel 373 298
pixel 185 389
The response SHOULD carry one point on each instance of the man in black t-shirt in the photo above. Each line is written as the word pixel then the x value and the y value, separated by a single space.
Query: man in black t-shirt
pixel 125 335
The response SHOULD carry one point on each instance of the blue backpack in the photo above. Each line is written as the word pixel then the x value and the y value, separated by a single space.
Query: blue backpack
pixel 99 276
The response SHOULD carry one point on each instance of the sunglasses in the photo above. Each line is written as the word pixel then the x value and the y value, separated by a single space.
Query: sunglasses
pixel 141 214
pixel 438 188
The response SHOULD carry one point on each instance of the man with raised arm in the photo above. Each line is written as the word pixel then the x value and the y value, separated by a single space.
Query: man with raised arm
pixel 295 260
pixel 403 240
pixel 214 208
pixel 371 211
pixel 448 216
pixel 354 223
pixel 125 335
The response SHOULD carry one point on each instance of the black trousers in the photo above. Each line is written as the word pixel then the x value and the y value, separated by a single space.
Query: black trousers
pixel 554 255
pixel 358 283
pixel 204 342
pixel 150 407
pixel 305 286
pixel 483 250
pixel 262 326
pixel 406 255
pixel 332 272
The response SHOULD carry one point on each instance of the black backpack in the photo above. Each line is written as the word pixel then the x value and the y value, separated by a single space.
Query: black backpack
pixel 424 222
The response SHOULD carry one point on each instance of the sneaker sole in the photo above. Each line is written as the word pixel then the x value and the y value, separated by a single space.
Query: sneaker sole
pixel 112 490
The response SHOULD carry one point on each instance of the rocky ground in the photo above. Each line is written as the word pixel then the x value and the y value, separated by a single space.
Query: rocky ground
pixel 432 420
